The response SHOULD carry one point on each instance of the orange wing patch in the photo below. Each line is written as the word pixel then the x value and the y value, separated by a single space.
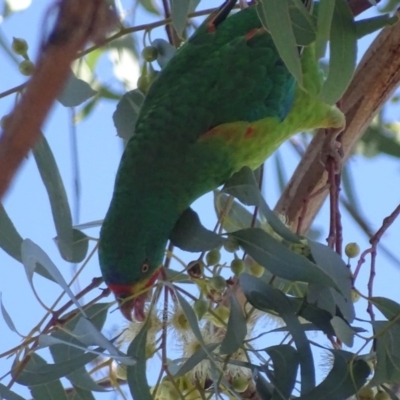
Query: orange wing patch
pixel 249 132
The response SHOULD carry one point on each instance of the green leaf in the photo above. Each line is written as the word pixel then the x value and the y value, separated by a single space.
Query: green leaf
pixel 38 373
pixel 88 334
pixel 302 24
pixel 275 16
pixel 6 316
pixel 324 22
pixel 321 297
pixel 236 329
pixel 334 266
pixel 233 216
pixel 343 331
pixel 280 171
pixel 179 14
pixel 286 362
pixel 369 25
pixel 60 209
pixel 348 187
pixel 266 298
pixel 10 239
pixel 388 307
pixel 191 317
pixel 75 92
pixel 49 391
pixel 243 186
pixel 387 369
pixel 32 255
pixel 196 358
pixel 343 53
pixel 343 380
pixel 379 140
pixel 136 374
pixel 80 246
pixel 80 394
pixel 60 352
pixel 264 388
pixel 7 394
pixel 319 319
pixel 190 235
pixel 165 51
pixel 279 260
pixel 127 112
pixel 149 6
pixel 13 6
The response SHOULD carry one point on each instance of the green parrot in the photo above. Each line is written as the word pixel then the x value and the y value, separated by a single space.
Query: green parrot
pixel 225 100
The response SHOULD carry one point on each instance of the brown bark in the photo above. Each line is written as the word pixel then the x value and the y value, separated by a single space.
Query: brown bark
pixel 78 23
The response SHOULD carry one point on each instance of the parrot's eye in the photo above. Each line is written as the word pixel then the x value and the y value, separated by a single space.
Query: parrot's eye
pixel 145 267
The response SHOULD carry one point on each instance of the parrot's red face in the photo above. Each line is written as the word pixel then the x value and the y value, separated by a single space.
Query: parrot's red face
pixel 131 304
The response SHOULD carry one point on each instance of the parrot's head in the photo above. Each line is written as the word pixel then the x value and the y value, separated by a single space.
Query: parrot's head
pixel 130 274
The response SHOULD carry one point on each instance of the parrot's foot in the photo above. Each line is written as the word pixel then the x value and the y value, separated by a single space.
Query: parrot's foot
pixel 333 149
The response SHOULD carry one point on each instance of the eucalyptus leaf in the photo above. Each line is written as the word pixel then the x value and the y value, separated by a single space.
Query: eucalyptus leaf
pixel 303 26
pixel 88 334
pixel 191 318
pixel 264 388
pixel 165 51
pixel 201 354
pixel 80 394
pixel 38 373
pixel 343 331
pixel 49 391
pixel 75 92
pixel 388 307
pixel 179 14
pixel 54 185
pixel 233 216
pixel 275 16
pixel 279 260
pixel 88 225
pixel 324 22
pixel 373 24
pixel 149 6
pixel 32 255
pixel 380 140
pixel 10 239
pixel 343 380
pixel 7 394
pixel 236 329
pixel 387 369
pixel 343 53
pixel 334 266
pixel 190 235
pixel 79 246
pixel 321 297
pixel 64 345
pixel 136 374
pixel 243 186
pixel 127 113
pixel 6 316
pixel 264 297
pixel 286 362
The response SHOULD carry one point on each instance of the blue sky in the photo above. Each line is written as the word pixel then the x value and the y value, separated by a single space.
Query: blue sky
pixel 99 152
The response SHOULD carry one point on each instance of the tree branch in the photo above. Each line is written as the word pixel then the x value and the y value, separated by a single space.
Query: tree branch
pixel 78 22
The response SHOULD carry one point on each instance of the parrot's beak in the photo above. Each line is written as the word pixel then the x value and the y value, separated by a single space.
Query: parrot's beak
pixel 134 307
